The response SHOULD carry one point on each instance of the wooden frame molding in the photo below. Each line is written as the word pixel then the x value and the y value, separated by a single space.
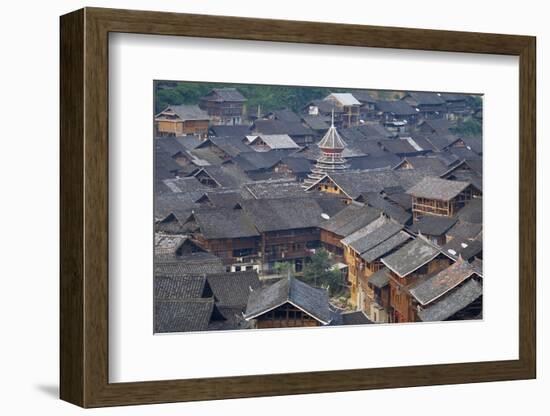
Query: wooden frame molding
pixel 84 207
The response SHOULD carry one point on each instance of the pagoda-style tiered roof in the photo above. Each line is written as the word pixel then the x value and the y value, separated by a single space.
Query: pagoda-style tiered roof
pixel 332 146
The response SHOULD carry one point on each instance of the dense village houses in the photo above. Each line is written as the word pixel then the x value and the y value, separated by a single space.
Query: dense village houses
pixel 181 120
pixel 435 196
pixel 387 192
pixel 224 106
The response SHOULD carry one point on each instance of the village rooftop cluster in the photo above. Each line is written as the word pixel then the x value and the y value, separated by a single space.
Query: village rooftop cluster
pixel 388 190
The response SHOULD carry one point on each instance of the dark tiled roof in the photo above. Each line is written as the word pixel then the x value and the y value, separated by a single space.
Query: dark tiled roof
pixel 436 188
pixel 180 204
pixel 326 107
pixel 472 212
pixel 444 281
pixel 297 164
pixel 350 219
pixel 463 229
pixel 277 188
pixel 282 127
pixel 355 318
pixel 398 146
pixel 426 98
pixel 438 125
pixel 363 96
pixel 179 288
pixel 187 185
pixel 283 213
pixel 231 290
pixel 230 131
pixel 430 162
pixel 381 278
pixel 224 94
pixel 411 257
pixel 285 115
pixel 368 238
pixel 276 141
pixel 464 247
pixel 313 301
pixel 189 112
pixel 356 183
pixel 183 315
pixel 170 145
pixel 390 208
pixel 231 145
pixel 228 175
pixel 387 161
pixel 221 223
pixel 252 160
pixel 188 264
pixel 385 247
pixel 433 225
pixel 317 123
pixel 455 301
pixel 397 107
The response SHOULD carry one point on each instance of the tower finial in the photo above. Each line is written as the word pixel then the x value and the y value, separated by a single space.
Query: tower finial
pixel 332 122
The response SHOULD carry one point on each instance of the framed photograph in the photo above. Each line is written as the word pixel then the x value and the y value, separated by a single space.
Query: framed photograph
pixel 257 207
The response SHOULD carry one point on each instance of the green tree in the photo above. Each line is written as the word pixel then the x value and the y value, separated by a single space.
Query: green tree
pixel 468 128
pixel 283 268
pixel 319 271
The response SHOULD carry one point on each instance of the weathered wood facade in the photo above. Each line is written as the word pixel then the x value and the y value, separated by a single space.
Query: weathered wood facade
pixel 179 121
pixel 225 106
pixel 285 316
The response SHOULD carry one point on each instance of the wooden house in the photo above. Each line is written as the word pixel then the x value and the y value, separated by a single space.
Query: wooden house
pixel 434 227
pixel 326 109
pixel 435 196
pixel 430 105
pixel 350 106
pixel 224 106
pixel 457 106
pixel 181 120
pixel 344 223
pixel 455 293
pixel 288 229
pixel 375 296
pixel 299 133
pixel 367 110
pixel 396 110
pixel 409 265
pixel 229 234
pixel 364 249
pixel 288 303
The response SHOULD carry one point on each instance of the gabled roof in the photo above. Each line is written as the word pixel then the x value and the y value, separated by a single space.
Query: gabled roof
pixel 188 112
pixel 285 114
pixel 231 290
pixel 183 315
pixel 311 300
pixel 275 188
pixel 292 128
pixel 372 235
pixel 430 162
pixel 444 281
pixel 350 219
pixel 231 145
pixel 283 213
pixel 426 98
pixel 438 125
pixel 472 212
pixel 463 229
pixel 363 96
pixel 385 247
pixel 223 223
pixel 297 164
pixel 239 130
pixel 411 257
pixel 433 225
pixel 387 161
pixel 224 94
pixel 226 176
pixel 188 264
pixel 318 123
pixel 187 184
pixel 276 141
pixel 252 161
pixel 179 287
pixel 343 98
pixel 355 318
pixel 463 247
pixel 380 279
pixel 454 302
pixel 397 108
pixel 386 205
pixel 399 146
pixel 436 188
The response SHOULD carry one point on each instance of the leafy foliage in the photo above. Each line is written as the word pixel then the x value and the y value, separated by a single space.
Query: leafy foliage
pixel 283 268
pixel 269 97
pixel 469 127
pixel 319 272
